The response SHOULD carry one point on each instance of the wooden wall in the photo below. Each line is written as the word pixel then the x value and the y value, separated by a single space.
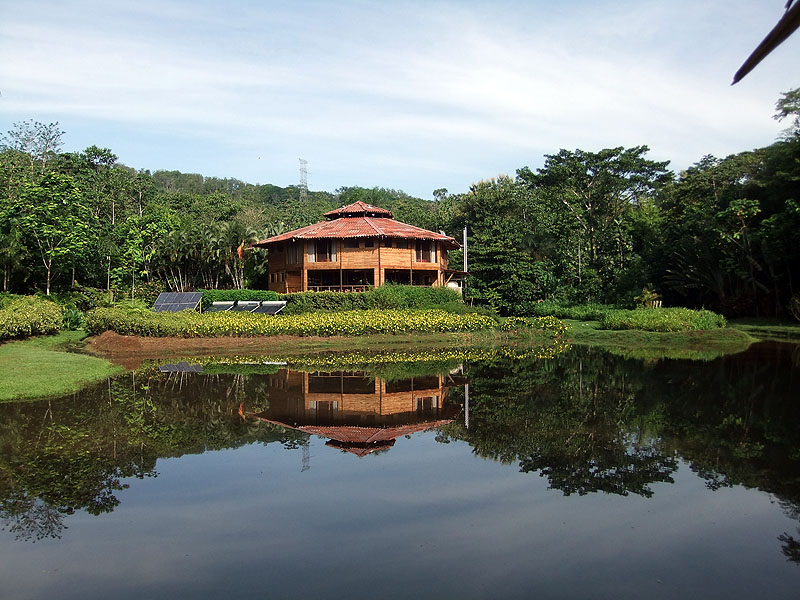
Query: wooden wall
pixel 285 277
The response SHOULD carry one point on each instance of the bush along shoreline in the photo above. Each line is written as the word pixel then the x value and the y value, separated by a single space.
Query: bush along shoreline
pixel 643 319
pixel 348 323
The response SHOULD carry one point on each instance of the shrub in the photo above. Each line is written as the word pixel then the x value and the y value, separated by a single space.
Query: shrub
pixel 409 296
pixel 210 296
pixel 662 319
pixel 73 319
pixel 549 324
pixel 81 297
pixel 6 298
pixel 129 304
pixel 146 291
pixel 647 298
pixel 306 302
pixel 383 297
pixel 27 316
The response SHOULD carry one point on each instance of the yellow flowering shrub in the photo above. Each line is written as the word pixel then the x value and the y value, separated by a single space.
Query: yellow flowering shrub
pixel 348 323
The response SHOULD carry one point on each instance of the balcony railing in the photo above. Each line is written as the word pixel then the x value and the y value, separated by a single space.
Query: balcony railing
pixel 339 288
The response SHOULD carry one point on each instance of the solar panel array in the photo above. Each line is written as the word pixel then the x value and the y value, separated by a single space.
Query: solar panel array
pixel 176 301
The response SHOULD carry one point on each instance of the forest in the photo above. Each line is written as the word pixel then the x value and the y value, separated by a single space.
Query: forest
pixel 609 226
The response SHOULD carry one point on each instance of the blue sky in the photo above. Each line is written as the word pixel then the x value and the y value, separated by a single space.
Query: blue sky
pixel 404 95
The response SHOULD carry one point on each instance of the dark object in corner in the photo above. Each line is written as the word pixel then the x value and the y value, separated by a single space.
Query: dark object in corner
pixel 789 22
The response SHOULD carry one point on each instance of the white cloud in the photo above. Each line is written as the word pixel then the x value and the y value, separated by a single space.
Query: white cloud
pixel 420 88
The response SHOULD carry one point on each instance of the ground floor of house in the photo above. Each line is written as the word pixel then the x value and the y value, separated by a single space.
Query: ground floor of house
pixel 351 280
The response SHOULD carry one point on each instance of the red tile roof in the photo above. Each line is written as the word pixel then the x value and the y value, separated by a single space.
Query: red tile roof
pixel 359 209
pixel 360 450
pixel 356 439
pixel 358 227
pixel 353 434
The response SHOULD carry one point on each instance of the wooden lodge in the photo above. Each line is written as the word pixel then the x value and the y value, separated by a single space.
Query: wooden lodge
pixel 357 247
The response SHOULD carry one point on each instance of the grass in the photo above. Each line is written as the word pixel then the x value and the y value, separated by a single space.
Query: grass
pixel 768 329
pixel 663 320
pixel 696 345
pixel 39 367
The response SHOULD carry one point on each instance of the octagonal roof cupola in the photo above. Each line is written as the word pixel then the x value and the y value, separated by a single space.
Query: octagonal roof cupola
pixel 359 209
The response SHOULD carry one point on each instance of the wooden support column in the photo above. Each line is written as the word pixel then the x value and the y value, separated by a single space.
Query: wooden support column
pixel 379 278
pixel 413 245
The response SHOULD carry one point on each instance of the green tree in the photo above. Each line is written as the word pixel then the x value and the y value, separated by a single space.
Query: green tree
pixel 788 106
pixel 38 142
pixel 52 217
pixel 593 193
pixel 502 273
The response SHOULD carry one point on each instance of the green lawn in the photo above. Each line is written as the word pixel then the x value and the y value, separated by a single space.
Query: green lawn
pixel 39 367
pixel 769 329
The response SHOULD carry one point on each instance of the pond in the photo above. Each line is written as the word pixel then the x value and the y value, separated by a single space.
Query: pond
pixel 583 475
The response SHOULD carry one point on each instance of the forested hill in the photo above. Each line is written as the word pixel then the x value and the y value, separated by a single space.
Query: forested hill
pixel 588 226
pixel 283 203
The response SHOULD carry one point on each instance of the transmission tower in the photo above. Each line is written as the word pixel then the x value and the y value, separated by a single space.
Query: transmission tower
pixel 303 179
pixel 306 457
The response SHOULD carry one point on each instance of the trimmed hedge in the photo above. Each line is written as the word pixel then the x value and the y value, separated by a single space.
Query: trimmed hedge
pixel 383 297
pixel 28 316
pixel 210 296
pixel 663 319
pixel 350 323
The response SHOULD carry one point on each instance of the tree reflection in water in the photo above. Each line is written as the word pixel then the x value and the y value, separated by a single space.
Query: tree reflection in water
pixel 574 420
pixel 60 456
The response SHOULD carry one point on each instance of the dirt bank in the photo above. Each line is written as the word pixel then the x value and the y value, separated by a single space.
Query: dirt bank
pixel 130 351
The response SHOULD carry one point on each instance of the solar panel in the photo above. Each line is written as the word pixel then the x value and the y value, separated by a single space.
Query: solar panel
pixel 175 301
pixel 271 307
pixel 221 306
pixel 245 306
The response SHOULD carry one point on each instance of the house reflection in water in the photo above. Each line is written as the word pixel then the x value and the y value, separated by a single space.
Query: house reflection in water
pixel 358 413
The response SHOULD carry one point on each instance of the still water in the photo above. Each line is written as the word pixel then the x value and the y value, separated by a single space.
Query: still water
pixel 587 475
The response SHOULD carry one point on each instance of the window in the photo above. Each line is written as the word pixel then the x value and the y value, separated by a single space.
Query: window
pixel 425 251
pixel 401 244
pixel 321 251
pixel 293 253
pixel 369 243
pixel 351 243
pixel 427 404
